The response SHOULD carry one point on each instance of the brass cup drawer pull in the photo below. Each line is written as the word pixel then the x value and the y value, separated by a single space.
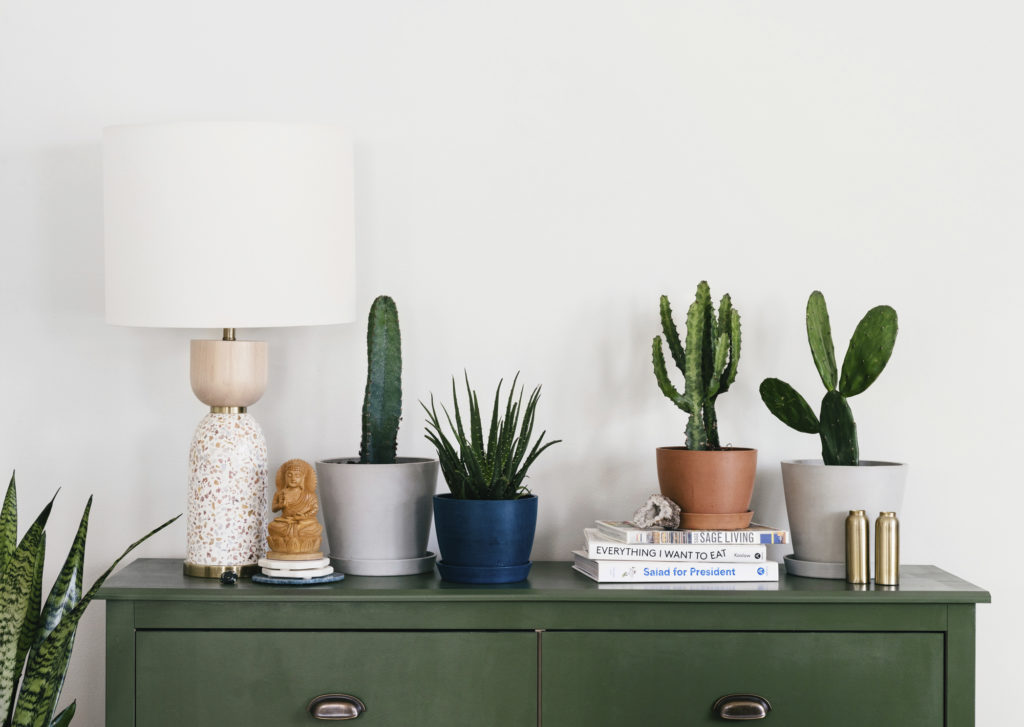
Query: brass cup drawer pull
pixel 741 706
pixel 336 707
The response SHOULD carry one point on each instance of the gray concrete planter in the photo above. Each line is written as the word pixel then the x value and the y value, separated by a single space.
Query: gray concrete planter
pixel 377 516
pixel 818 499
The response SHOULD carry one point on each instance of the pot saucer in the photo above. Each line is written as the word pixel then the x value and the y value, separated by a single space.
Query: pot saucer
pixel 484 573
pixel 382 567
pixel 714 521
pixel 815 569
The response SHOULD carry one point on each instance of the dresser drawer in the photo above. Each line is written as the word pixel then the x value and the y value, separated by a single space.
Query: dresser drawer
pixel 257 679
pixel 812 679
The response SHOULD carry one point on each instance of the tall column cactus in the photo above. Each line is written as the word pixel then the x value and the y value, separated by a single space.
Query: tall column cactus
pixel 708 362
pixel 382 402
pixel 868 353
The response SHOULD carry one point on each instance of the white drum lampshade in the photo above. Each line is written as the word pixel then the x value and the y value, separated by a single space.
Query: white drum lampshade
pixel 227 226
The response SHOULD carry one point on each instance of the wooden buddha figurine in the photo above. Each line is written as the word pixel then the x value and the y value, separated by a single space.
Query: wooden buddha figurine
pixel 295 535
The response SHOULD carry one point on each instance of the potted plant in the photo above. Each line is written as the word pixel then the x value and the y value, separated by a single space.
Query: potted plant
pixel 820 493
pixel 35 646
pixel 485 525
pixel 376 506
pixel 711 484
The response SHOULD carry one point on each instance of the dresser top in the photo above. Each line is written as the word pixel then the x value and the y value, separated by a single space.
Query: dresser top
pixel 161 579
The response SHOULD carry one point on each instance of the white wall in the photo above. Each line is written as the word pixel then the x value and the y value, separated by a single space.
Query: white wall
pixel 531 176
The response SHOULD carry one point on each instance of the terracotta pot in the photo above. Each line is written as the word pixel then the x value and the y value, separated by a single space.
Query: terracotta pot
pixel 719 482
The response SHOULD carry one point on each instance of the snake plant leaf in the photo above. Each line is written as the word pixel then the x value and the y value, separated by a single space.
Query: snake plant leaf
pixel 8 524
pixel 869 351
pixel 67 589
pixel 20 594
pixel 64 718
pixel 786 403
pixel 47 665
pixel 819 336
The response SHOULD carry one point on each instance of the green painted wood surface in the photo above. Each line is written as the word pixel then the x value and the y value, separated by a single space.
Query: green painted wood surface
pixel 215 679
pixel 161 579
pixel 170 636
pixel 811 679
pixel 960 667
pixel 120 698
pixel 551 615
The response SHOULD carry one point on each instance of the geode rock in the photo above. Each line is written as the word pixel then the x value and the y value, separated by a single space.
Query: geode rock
pixel 657 512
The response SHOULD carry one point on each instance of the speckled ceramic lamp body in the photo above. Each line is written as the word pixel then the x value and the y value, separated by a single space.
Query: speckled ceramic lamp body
pixel 227 473
pixel 227 494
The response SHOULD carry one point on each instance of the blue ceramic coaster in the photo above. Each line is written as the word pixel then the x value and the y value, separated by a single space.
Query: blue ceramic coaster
pixel 483 574
pixel 332 578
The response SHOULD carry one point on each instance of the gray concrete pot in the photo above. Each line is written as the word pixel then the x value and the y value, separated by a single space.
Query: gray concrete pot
pixel 378 515
pixel 818 499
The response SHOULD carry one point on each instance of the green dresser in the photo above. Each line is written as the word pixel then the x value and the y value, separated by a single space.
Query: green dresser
pixel 558 650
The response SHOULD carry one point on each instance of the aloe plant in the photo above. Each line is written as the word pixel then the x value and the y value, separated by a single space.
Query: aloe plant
pixel 708 362
pixel 382 402
pixel 38 643
pixel 866 356
pixel 494 469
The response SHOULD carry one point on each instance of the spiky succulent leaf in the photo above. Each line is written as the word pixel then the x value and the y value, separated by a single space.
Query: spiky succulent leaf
pixel 786 403
pixel 382 401
pixel 869 351
pixel 838 431
pixel 495 469
pixel 661 374
pixel 721 352
pixel 8 524
pixel 819 335
pixel 668 327
pixel 47 665
pixel 735 341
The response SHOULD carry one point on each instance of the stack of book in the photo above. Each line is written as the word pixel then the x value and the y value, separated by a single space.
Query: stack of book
pixel 619 552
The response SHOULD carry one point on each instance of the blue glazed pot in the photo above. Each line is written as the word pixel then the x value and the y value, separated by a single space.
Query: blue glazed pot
pixel 485 541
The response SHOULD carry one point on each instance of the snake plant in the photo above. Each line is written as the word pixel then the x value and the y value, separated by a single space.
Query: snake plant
pixel 34 642
pixel 495 469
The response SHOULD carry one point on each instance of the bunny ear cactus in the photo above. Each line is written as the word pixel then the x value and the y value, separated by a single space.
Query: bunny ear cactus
pixel 382 402
pixel 869 351
pixel 708 362
pixel 35 646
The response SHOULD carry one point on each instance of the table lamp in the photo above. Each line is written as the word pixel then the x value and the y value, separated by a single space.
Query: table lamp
pixel 228 226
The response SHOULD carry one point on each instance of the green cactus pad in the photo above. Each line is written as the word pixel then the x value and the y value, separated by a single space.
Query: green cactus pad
pixel 819 335
pixel 786 403
pixel 838 431
pixel 382 402
pixel 869 351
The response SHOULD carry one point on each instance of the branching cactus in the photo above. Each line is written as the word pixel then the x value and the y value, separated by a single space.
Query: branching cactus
pixel 868 353
pixel 382 403
pixel 708 362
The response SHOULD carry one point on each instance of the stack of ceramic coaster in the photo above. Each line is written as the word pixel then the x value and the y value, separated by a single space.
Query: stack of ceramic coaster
pixel 290 571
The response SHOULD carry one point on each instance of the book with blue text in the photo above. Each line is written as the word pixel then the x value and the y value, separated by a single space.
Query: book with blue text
pixel 626 532
pixel 643 571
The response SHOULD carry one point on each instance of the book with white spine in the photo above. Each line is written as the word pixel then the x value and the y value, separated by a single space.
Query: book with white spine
pixel 600 547
pixel 644 571
pixel 627 532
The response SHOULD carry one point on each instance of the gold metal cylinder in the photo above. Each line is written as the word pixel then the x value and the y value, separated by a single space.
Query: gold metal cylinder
pixel 887 549
pixel 857 547
pixel 196 570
